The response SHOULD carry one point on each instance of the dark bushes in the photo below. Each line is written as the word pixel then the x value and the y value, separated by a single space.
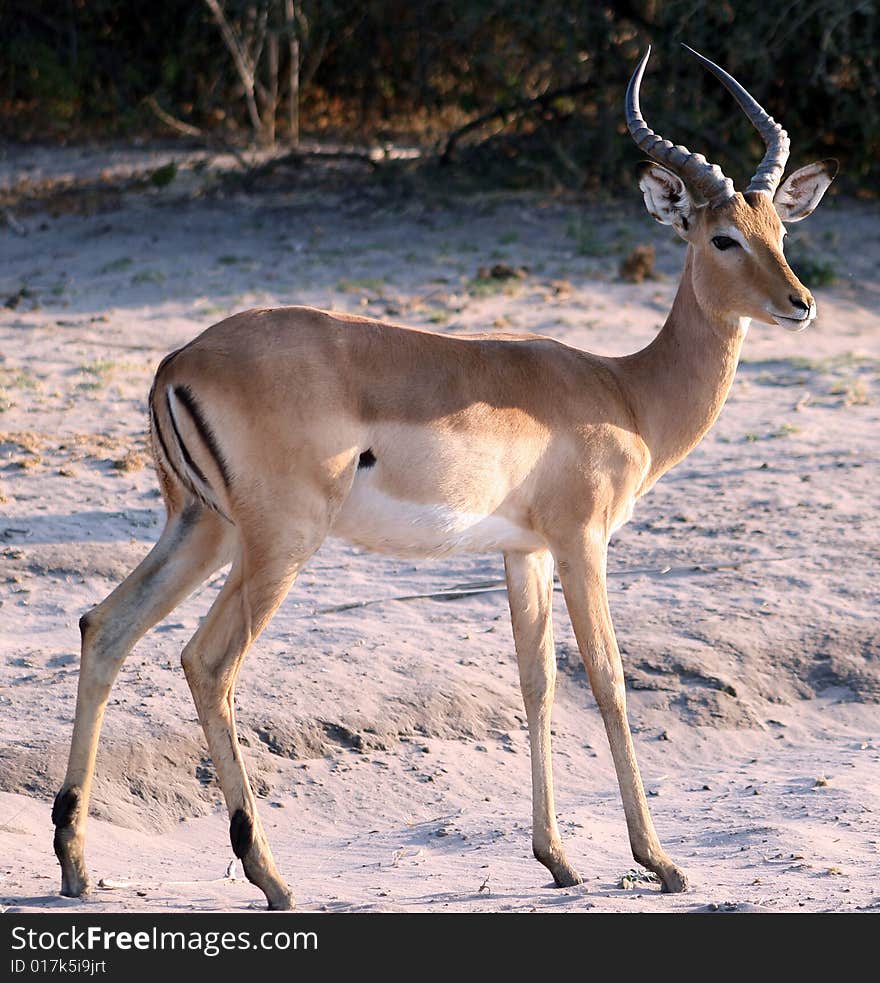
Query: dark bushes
pixel 379 70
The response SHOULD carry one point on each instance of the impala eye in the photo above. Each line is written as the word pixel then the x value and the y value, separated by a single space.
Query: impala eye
pixel 723 242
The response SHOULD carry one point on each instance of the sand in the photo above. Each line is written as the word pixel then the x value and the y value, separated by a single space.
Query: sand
pixel 387 742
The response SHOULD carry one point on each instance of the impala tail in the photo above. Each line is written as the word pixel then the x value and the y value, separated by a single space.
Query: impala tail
pixel 186 449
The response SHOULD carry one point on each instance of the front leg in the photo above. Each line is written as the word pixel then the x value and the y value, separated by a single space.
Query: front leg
pixel 582 573
pixel 530 593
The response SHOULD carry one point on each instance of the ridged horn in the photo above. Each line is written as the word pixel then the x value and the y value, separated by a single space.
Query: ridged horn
pixel 771 168
pixel 693 169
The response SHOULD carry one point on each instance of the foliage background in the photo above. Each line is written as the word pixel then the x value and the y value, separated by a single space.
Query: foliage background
pixel 375 71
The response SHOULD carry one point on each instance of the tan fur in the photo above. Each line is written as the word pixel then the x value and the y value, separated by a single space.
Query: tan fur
pixel 517 443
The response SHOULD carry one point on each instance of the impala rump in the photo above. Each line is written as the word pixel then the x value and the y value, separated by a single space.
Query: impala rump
pixel 180 431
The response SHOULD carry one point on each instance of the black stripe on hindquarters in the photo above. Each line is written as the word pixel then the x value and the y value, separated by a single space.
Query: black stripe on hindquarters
pixel 161 437
pixel 187 457
pixel 184 394
pixel 367 459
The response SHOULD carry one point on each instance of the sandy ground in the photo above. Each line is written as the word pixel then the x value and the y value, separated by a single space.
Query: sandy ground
pixel 387 742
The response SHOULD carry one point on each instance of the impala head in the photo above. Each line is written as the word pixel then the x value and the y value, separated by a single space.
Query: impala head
pixel 738 267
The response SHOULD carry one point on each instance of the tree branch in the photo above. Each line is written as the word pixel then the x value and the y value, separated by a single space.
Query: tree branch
pixel 172 121
pixel 239 57
pixel 506 111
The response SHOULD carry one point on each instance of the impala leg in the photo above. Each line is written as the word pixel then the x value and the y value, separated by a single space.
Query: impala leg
pixel 192 546
pixel 530 594
pixel 583 583
pixel 258 581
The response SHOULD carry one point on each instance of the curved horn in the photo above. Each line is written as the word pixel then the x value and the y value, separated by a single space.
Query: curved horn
pixel 693 169
pixel 771 168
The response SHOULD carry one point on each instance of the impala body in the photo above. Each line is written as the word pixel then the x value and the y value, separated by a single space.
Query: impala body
pixel 277 428
pixel 488 420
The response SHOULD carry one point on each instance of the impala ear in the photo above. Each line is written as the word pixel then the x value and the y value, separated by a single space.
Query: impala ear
pixel 666 198
pixel 802 191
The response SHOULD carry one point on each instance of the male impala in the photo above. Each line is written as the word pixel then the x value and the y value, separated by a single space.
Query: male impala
pixel 277 428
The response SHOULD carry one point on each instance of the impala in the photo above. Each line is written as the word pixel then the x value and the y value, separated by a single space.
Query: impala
pixel 277 428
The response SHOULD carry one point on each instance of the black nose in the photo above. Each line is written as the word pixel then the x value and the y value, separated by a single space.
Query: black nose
pixel 798 304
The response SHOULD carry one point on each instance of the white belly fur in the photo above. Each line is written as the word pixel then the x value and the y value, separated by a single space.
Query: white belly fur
pixel 377 521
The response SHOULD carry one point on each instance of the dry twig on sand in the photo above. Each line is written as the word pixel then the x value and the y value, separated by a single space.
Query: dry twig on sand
pixel 458 591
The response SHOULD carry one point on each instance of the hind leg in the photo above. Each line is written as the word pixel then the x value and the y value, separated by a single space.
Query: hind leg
pixel 260 577
pixel 194 543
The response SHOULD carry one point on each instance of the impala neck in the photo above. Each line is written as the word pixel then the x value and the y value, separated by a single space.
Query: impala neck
pixel 679 383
